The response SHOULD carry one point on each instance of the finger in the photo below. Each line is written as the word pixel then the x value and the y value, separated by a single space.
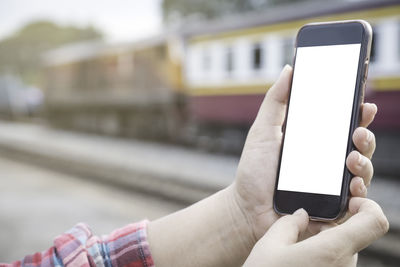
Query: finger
pixel 367 225
pixel 364 140
pixel 314 228
pixel 354 260
pixel 317 227
pixel 287 229
pixel 346 216
pixel 368 112
pixel 273 109
pixel 360 165
pixel 357 187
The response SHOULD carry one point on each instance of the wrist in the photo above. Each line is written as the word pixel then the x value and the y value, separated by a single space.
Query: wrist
pixel 212 232
pixel 258 214
pixel 242 224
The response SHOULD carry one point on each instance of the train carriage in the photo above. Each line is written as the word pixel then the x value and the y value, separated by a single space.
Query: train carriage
pixel 130 89
pixel 231 62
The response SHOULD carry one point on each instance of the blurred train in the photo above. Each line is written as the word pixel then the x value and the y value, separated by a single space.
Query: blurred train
pixel 124 89
pixel 203 84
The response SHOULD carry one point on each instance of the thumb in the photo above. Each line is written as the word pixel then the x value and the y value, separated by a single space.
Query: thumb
pixel 366 225
pixel 287 229
pixel 273 108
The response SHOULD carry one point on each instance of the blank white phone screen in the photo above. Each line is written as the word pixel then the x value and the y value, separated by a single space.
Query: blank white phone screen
pixel 318 120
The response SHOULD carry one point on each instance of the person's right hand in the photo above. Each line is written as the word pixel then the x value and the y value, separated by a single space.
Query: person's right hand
pixel 335 245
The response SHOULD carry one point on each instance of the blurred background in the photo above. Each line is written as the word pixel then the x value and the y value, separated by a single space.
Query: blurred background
pixel 116 111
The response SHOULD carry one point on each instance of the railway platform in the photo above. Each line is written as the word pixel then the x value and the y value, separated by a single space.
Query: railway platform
pixel 173 172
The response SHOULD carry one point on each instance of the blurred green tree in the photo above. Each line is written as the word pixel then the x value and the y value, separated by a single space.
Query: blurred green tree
pixel 20 53
pixel 180 10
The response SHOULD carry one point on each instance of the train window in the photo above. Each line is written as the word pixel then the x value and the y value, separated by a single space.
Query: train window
pixel 229 60
pixel 257 56
pixel 288 51
pixel 373 46
pixel 398 40
pixel 206 59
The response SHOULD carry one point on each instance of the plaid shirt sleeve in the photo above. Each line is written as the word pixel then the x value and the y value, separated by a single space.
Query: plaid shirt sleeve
pixel 127 246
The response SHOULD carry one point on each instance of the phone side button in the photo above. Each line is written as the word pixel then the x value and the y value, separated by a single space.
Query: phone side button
pixel 364 80
pixel 366 65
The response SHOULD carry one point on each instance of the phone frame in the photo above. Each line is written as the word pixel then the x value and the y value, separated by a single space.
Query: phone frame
pixel 323 207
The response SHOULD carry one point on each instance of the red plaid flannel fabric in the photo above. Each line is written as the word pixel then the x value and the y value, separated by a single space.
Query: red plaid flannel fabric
pixel 127 246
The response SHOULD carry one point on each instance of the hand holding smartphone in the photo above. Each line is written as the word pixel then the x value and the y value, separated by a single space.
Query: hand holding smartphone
pixel 330 70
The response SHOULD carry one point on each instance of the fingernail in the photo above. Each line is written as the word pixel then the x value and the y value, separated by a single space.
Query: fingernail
pixel 369 136
pixel 376 108
pixel 285 68
pixel 299 212
pixel 362 187
pixel 368 139
pixel 361 160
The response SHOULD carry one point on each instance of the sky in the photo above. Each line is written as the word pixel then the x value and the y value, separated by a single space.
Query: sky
pixel 120 20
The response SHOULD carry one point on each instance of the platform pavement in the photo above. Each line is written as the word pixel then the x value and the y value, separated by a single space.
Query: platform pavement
pixel 170 171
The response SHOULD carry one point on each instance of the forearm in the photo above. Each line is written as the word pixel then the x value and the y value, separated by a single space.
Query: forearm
pixel 212 232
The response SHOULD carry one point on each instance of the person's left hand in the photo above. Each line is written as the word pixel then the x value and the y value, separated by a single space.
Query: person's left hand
pixel 255 180
pixel 332 246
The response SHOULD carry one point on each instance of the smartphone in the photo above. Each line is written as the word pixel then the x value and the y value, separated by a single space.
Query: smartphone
pixel 327 88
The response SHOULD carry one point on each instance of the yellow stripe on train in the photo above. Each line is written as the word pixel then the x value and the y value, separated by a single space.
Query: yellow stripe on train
pixel 379 84
pixel 386 84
